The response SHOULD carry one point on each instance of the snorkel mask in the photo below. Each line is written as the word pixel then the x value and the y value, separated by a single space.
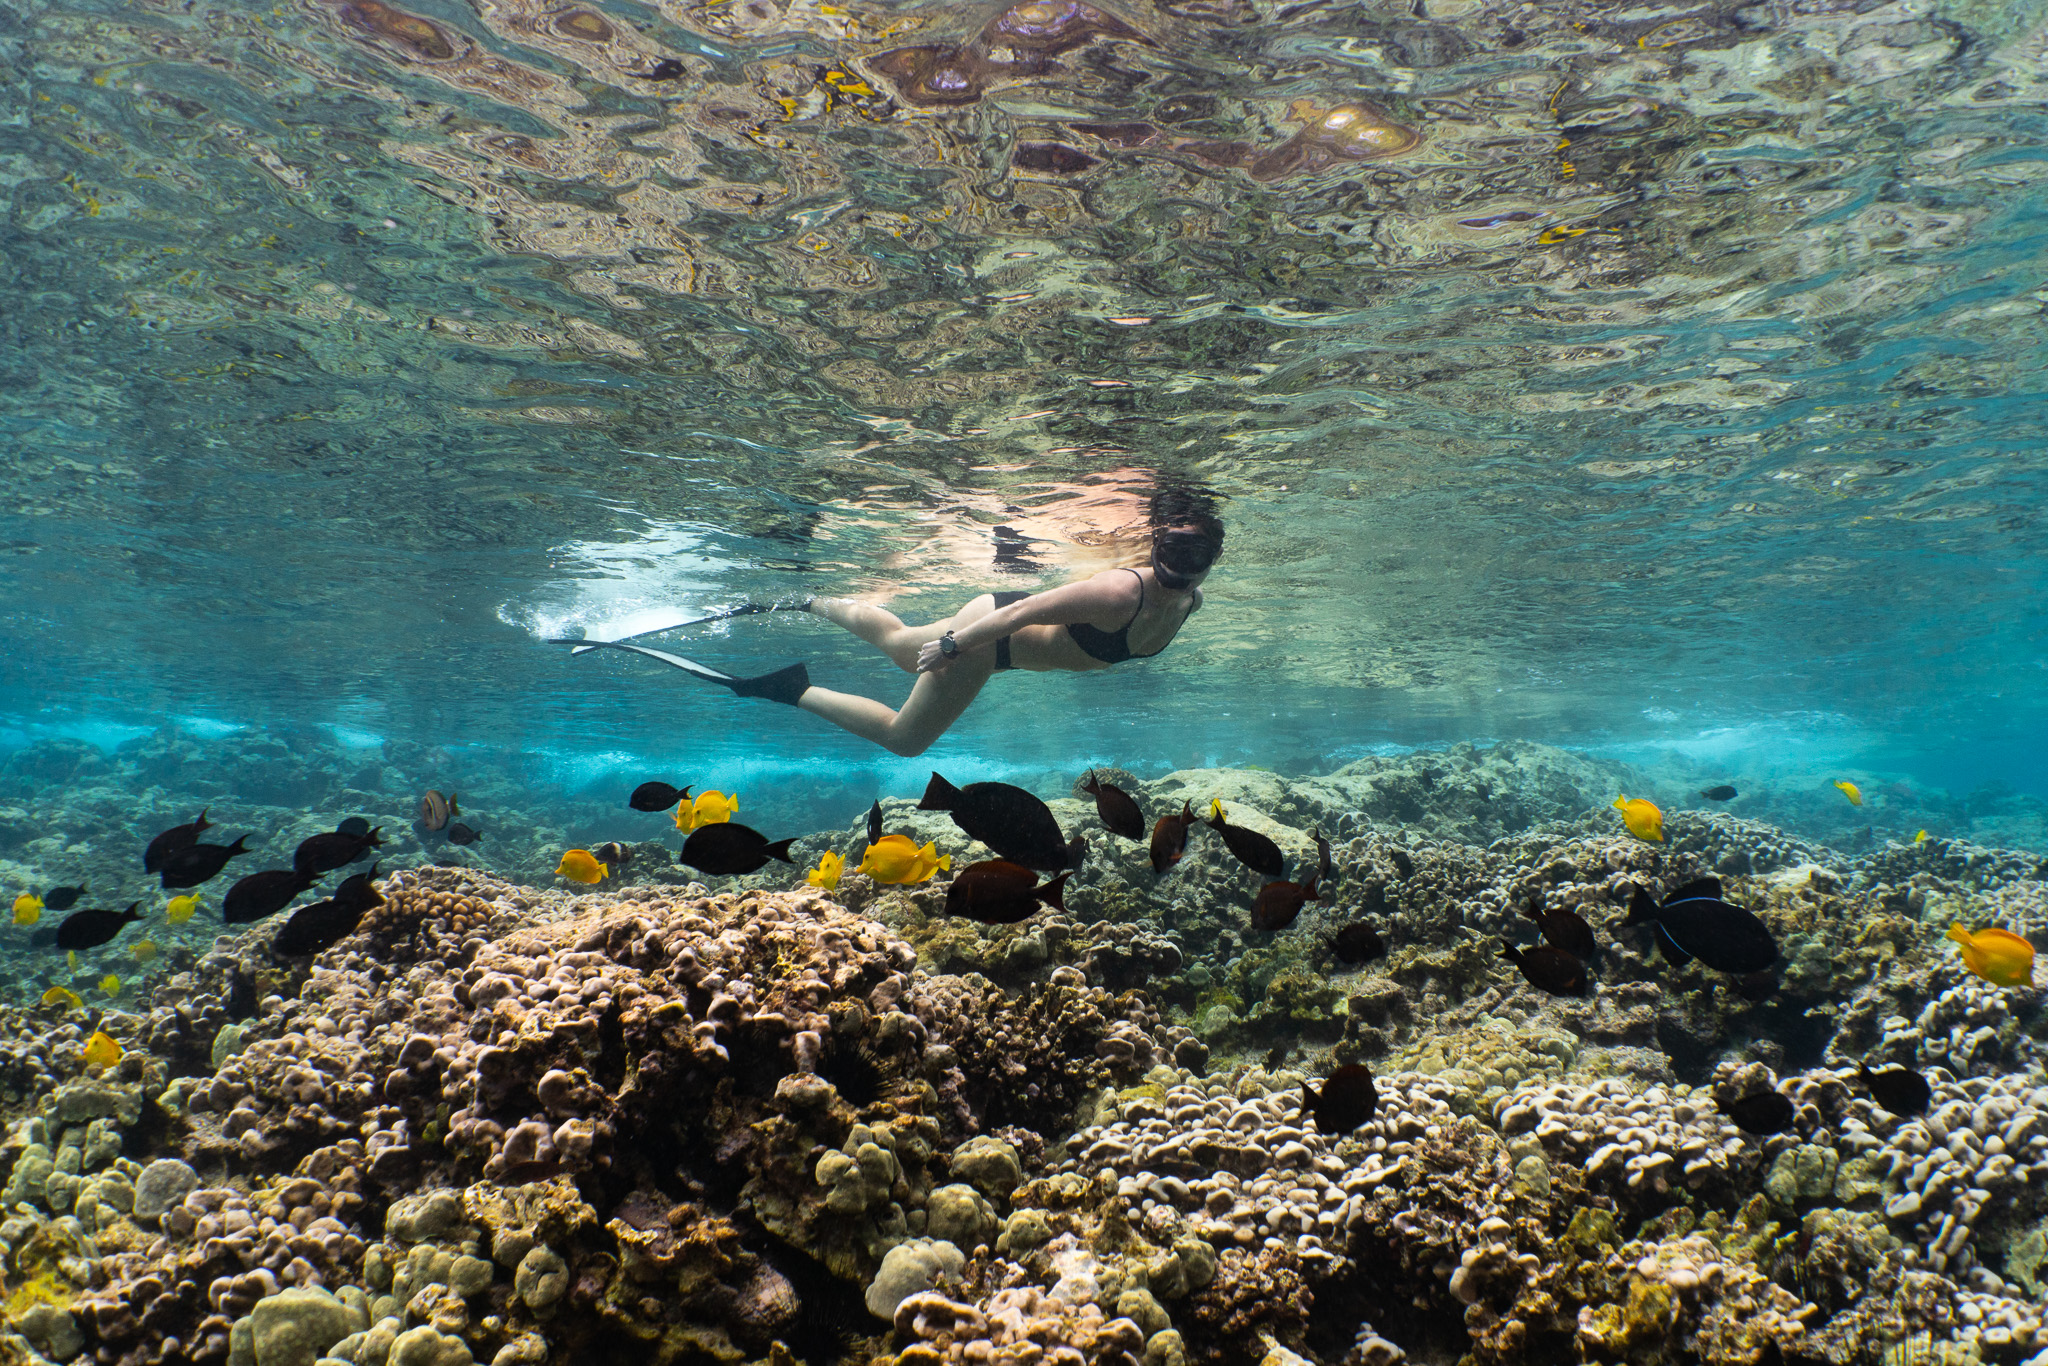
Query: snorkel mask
pixel 1180 558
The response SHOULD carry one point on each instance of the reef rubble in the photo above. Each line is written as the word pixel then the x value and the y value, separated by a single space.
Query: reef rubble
pixel 760 1125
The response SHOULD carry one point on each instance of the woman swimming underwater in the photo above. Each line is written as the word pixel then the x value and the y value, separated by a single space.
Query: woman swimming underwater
pixel 1079 627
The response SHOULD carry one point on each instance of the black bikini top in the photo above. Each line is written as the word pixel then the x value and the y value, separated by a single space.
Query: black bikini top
pixel 1114 647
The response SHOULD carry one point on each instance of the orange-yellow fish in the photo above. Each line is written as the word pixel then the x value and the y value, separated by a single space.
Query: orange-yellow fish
pixel 143 950
pixel 897 859
pixel 28 908
pixel 110 984
pixel 827 873
pixel 1642 818
pixel 2000 957
pixel 1851 791
pixel 580 865
pixel 63 996
pixel 180 909
pixel 710 808
pixel 1920 838
pixel 101 1050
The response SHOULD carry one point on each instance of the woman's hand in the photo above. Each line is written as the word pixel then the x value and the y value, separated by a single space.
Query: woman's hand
pixel 931 659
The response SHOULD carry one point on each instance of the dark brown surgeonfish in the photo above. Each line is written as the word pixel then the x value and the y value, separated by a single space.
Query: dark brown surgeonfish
pixel 613 854
pixel 358 891
pixel 1009 820
pixel 1547 968
pixel 353 825
pixel 1357 942
pixel 1900 1090
pixel 171 841
pixel 729 849
pixel 458 833
pixel 656 797
pixel 1694 922
pixel 1326 867
pixel 1252 849
pixel 319 854
pixel 1280 902
pixel 1723 793
pixel 999 892
pixel 1763 1114
pixel 436 810
pixel 263 894
pixel 1348 1100
pixel 242 1001
pixel 317 927
pixel 1563 927
pixel 1115 807
pixel 198 863
pixel 90 929
pixel 62 898
pixel 1170 838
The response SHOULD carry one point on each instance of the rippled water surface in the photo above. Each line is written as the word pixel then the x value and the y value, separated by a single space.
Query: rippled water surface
pixel 1581 371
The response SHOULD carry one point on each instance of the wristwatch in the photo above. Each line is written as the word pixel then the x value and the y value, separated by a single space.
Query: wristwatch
pixel 948 646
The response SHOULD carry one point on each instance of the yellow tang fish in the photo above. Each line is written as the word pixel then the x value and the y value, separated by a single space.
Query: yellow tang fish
pixel 101 1050
pixel 1642 818
pixel 71 959
pixel 897 859
pixel 710 808
pixel 63 996
pixel 143 949
pixel 28 908
pixel 580 865
pixel 110 984
pixel 2000 957
pixel 827 873
pixel 182 908
pixel 1851 791
pixel 1920 838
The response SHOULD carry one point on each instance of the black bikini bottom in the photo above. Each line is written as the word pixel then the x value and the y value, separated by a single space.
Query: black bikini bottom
pixel 1003 646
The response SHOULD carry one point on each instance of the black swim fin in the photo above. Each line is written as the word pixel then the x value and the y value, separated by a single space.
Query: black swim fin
pixel 783 685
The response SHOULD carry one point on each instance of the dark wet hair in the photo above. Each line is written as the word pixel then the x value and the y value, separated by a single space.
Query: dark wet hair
pixel 1187 535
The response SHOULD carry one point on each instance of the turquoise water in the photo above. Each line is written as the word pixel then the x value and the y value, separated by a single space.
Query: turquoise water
pixel 1649 383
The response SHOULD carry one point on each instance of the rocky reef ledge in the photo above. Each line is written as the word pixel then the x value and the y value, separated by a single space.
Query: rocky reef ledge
pixel 660 1124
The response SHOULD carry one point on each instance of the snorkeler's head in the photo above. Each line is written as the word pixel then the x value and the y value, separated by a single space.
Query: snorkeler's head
pixel 1187 536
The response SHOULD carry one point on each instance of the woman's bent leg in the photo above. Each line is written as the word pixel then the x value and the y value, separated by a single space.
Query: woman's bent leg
pixel 936 701
pixel 887 632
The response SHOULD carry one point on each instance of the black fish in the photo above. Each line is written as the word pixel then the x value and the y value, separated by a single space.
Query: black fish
pixel 90 929
pixel 242 1002
pixel 1118 812
pixel 171 841
pixel 656 797
pixel 261 894
pixel 1326 868
pixel 1695 921
pixel 353 825
pixel 1348 1100
pixel 999 892
pixel 1170 838
pixel 1547 969
pixel 729 848
pixel 1280 902
pixel 667 69
pixel 875 823
pixel 197 863
pixel 1404 864
pixel 1900 1090
pixel 325 853
pixel 1762 1114
pixel 357 892
pixel 1009 820
pixel 62 898
pixel 1253 850
pixel 1723 793
pixel 1563 927
pixel 316 927
pixel 613 854
pixel 1357 942
pixel 459 833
